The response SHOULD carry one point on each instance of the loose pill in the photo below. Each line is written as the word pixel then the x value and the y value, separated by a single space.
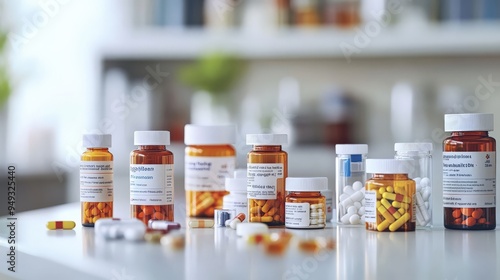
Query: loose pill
pixel 201 223
pixel 67 225
pixel 153 237
pixel 309 246
pixel 135 233
pixel 163 225
pixel 173 241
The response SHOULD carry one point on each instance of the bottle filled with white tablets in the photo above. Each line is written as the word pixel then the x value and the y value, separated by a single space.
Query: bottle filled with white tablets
pixel 305 206
pixel 350 177
pixel 420 171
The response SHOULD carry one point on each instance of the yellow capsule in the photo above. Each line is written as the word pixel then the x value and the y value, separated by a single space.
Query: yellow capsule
pixel 204 205
pixel 263 219
pixel 400 190
pixel 255 210
pixel 382 210
pixel 389 189
pixel 260 202
pixel 402 210
pixel 397 197
pixel 267 206
pixel 398 204
pixel 389 208
pixel 381 190
pixel 397 224
pixel 60 225
pixel 201 223
pixel 383 225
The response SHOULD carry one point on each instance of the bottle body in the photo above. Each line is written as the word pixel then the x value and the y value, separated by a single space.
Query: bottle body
pixel 305 210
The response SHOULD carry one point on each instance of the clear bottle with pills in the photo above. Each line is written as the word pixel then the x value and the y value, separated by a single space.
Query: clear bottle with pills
pixel 237 197
pixel 305 206
pixel 209 160
pixel 267 169
pixel 152 177
pixel 390 196
pixel 420 170
pixel 469 172
pixel 96 179
pixel 350 177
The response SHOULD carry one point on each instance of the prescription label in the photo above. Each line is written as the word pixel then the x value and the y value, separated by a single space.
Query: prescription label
pixel 96 181
pixel 151 184
pixel 297 215
pixel 370 206
pixel 263 180
pixel 469 179
pixel 207 173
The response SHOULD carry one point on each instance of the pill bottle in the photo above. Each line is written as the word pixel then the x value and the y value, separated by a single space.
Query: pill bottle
pixel 152 177
pixel 237 197
pixel 420 170
pixel 209 159
pixel 469 178
pixel 305 206
pixel 389 195
pixel 96 179
pixel 350 177
pixel 267 169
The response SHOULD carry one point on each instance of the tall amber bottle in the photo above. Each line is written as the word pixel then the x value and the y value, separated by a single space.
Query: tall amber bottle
pixel 267 169
pixel 469 172
pixel 152 177
pixel 96 179
pixel 210 159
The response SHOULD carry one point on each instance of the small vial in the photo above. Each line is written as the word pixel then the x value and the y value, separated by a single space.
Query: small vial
pixel 237 197
pixel 350 177
pixel 469 172
pixel 267 164
pixel 96 179
pixel 305 206
pixel 389 196
pixel 210 159
pixel 152 177
pixel 420 155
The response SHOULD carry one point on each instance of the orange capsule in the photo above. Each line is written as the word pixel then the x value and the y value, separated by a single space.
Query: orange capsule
pixel 470 222
pixel 456 213
pixel 148 210
pixel 477 213
pixel 467 211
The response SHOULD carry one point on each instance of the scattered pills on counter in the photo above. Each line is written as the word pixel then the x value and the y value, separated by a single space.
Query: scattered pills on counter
pixel 238 219
pixel 165 225
pixel 112 228
pixel 201 223
pixel 247 229
pixel 173 241
pixel 66 225
pixel 153 236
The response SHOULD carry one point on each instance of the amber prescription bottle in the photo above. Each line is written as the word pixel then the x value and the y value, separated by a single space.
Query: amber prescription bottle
pixel 96 179
pixel 389 195
pixel 267 169
pixel 305 206
pixel 210 159
pixel 152 177
pixel 469 172
pixel 420 155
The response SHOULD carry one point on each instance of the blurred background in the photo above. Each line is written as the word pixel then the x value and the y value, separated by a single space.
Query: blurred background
pixel 323 71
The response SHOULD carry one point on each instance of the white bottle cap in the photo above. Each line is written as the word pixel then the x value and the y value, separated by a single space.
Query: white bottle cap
pixel 247 229
pixel 310 184
pixel 468 122
pixel 209 134
pixel 351 149
pixel 413 147
pixel 96 140
pixel 152 138
pixel 388 166
pixel 267 139
pixel 238 183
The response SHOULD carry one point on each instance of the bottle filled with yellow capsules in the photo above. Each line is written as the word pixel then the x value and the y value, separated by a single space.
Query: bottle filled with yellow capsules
pixel 267 169
pixel 389 196
pixel 209 160
pixel 96 179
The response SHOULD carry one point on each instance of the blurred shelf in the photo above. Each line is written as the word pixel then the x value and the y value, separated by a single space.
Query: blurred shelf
pixel 470 39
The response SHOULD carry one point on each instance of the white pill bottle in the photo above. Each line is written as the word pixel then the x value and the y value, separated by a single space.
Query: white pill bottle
pixel 350 178
pixel 420 170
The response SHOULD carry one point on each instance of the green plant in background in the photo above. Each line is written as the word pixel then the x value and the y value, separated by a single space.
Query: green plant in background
pixel 4 78
pixel 214 73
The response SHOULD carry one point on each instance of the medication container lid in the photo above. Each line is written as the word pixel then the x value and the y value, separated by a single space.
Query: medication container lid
pixel 351 149
pixel 267 139
pixel 310 184
pixel 388 166
pixel 413 147
pixel 468 122
pixel 152 137
pixel 209 134
pixel 238 183
pixel 96 140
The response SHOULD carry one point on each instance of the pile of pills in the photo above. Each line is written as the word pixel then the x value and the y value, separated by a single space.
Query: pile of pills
pixel 422 200
pixel 317 216
pixel 351 206
pixel 203 204
pixel 153 212
pixel 92 211
pixel 265 211
pixel 469 216
pixel 394 205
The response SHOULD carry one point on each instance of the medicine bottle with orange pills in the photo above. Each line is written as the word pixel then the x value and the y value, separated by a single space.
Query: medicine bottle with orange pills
pixel 96 179
pixel 305 206
pixel 209 160
pixel 389 196
pixel 469 172
pixel 267 169
pixel 152 177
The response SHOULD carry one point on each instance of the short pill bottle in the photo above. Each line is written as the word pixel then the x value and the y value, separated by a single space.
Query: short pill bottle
pixel 237 197
pixel 305 206
pixel 152 177
pixel 389 195
pixel 96 179
pixel 267 169
pixel 350 177
pixel 209 160
pixel 420 170
pixel 469 172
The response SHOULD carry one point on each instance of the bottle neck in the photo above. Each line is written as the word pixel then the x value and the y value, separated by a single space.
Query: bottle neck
pixel 152 147
pixel 305 194
pixel 98 149
pixel 267 148
pixel 390 176
pixel 470 133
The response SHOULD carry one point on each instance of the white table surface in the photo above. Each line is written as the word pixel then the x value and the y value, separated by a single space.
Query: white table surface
pixel 217 253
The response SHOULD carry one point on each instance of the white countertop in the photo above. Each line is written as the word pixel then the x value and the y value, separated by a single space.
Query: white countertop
pixel 218 253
